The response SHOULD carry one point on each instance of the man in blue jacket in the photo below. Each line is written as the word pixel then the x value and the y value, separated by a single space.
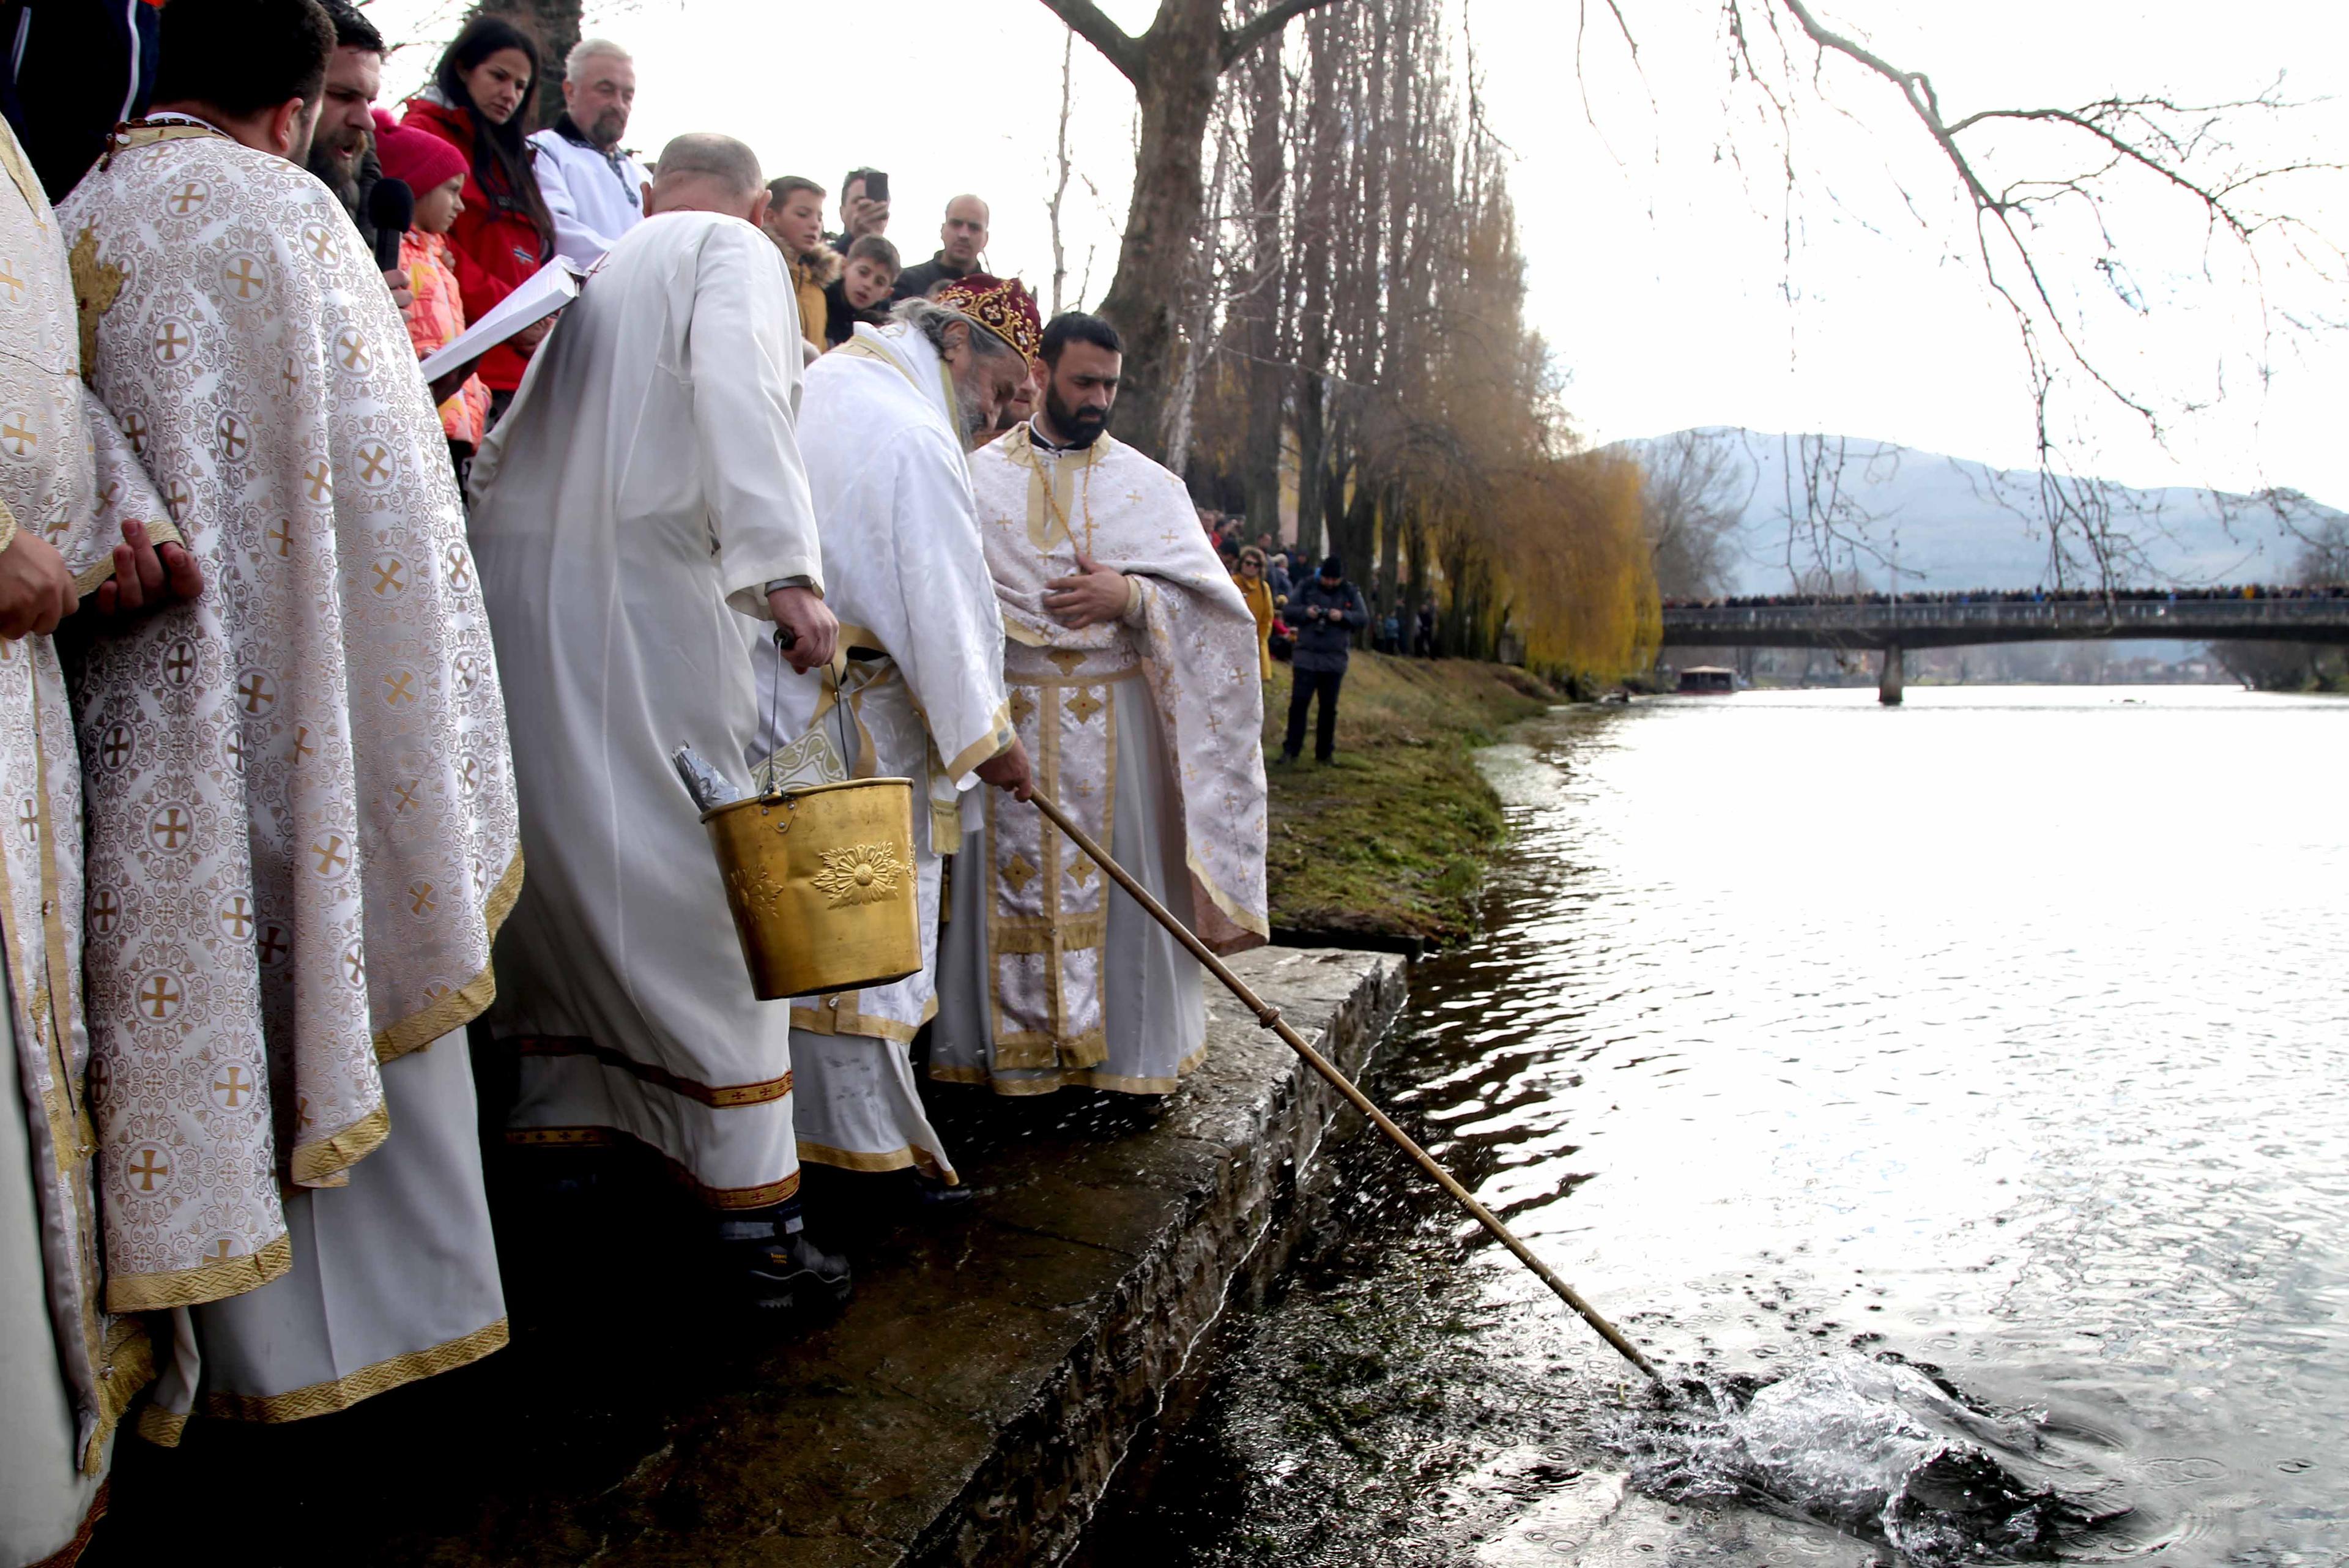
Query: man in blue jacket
pixel 1326 611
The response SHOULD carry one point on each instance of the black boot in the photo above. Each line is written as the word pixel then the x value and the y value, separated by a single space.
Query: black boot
pixel 767 1259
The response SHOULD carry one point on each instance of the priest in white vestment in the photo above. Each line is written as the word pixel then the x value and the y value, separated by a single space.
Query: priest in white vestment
pixel 887 419
pixel 641 506
pixel 301 811
pixel 1132 663
pixel 69 484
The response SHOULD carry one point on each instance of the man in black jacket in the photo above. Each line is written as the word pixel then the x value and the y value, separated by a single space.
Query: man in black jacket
pixel 1326 611
pixel 961 237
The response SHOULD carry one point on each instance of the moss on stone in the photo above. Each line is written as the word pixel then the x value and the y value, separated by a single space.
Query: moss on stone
pixel 1391 838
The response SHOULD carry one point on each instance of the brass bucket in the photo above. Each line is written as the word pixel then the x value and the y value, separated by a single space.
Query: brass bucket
pixel 821 882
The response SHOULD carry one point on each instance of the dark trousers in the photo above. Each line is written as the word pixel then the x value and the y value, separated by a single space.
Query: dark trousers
pixel 1300 698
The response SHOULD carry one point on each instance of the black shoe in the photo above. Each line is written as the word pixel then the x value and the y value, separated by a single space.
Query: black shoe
pixel 789 1270
pixel 1288 759
pixel 933 1195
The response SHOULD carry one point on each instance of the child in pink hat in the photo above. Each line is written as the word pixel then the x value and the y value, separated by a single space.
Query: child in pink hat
pixel 436 172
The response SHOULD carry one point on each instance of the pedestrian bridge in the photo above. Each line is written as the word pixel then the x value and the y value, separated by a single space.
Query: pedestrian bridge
pixel 1894 626
pixel 1951 623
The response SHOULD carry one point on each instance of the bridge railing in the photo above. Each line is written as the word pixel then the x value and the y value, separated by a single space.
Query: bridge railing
pixel 2185 614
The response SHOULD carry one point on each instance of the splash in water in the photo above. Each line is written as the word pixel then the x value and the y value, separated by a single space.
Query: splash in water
pixel 1873 1446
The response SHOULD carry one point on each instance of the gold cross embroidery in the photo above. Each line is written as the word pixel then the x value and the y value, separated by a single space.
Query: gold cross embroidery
pixel 243 277
pixel 20 439
pixel 170 827
pixel 388 579
pixel 1018 873
pixel 233 1088
pixel 1084 705
pixel 375 464
pixel 12 282
pixel 147 1170
pixel 161 997
pixel 321 486
pixel 332 856
pixel 236 917
pixel 398 683
pixel 420 901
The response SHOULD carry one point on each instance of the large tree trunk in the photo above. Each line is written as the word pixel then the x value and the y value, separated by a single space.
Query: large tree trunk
pixel 1173 68
pixel 1183 59
pixel 555 25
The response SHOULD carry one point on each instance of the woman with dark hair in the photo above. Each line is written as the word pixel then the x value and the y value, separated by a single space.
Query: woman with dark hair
pixel 479 102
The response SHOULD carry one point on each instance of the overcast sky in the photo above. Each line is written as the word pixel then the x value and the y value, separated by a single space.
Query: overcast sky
pixel 1656 223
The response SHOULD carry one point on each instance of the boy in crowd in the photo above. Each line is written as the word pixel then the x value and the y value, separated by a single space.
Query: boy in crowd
pixel 861 291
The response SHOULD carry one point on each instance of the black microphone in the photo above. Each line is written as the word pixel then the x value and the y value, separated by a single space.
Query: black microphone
pixel 392 207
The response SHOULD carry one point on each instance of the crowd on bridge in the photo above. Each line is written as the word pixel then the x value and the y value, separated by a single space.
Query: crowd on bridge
pixel 2036 596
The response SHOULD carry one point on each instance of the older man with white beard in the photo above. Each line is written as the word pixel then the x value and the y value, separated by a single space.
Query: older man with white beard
pixel 886 422
pixel 640 509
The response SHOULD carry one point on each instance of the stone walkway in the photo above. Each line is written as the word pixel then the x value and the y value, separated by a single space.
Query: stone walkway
pixel 967 1408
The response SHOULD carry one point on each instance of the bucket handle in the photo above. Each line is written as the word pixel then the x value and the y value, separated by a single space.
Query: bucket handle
pixel 785 640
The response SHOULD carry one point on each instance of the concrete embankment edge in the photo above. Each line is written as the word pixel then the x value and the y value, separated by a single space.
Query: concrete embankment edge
pixel 1236 1142
pixel 967 1408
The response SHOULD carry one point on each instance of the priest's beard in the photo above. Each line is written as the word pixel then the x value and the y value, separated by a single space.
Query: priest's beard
pixel 970 424
pixel 1079 427
pixel 609 127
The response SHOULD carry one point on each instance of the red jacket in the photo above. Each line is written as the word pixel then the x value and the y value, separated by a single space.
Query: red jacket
pixel 493 250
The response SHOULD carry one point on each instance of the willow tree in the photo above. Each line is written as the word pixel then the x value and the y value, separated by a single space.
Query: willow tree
pixel 1174 65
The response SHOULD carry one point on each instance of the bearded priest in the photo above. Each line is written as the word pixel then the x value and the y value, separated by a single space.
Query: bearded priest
pixel 301 806
pixel 1132 664
pixel 887 420
pixel 643 518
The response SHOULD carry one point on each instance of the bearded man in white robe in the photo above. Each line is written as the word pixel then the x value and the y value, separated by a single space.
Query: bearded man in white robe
pixel 1131 662
pixel 301 809
pixel 886 420
pixel 639 509
pixel 67 1368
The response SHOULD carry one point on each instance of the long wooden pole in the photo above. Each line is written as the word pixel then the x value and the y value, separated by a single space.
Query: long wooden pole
pixel 1270 1018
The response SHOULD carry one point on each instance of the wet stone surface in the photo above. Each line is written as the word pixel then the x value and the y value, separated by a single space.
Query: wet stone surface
pixel 966 1407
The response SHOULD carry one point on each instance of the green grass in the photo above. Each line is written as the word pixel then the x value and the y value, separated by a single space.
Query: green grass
pixel 1391 840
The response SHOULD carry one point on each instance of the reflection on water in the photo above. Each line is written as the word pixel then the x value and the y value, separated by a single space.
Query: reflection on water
pixel 2003 1033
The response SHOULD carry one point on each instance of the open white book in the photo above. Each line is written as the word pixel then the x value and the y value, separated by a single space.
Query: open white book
pixel 544 293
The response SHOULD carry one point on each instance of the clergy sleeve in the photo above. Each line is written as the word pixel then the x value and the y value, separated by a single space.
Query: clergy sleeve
pixel 951 649
pixel 742 359
pixel 123 494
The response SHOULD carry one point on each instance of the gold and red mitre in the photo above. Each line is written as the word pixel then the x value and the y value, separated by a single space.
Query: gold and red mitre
pixel 1002 306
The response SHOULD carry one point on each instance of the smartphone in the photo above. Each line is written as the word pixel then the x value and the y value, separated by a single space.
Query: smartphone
pixel 876 186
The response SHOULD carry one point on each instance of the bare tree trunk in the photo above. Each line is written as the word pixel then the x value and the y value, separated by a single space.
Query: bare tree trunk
pixel 1194 346
pixel 1267 378
pixel 1061 189
pixel 555 25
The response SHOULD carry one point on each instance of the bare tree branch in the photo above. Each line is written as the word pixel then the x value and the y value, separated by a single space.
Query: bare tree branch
pixel 1118 47
pixel 1239 41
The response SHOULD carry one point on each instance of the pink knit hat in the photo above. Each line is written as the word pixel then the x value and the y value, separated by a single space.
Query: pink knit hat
pixel 415 155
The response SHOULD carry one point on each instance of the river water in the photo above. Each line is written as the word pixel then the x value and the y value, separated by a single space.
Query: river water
pixel 2002 1032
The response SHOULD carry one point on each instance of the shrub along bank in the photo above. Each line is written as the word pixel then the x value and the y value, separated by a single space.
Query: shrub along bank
pixel 1391 840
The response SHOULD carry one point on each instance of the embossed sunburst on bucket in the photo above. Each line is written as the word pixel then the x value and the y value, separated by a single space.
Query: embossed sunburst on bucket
pixel 821 882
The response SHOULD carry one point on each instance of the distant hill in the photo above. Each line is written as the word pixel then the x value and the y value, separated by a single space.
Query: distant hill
pixel 1957 524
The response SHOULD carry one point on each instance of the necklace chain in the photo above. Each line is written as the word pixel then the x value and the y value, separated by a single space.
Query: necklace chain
pixel 1085 499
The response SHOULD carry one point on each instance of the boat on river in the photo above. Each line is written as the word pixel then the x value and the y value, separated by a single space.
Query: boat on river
pixel 1707 680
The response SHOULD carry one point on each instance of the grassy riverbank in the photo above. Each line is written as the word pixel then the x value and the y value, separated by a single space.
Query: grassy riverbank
pixel 1389 839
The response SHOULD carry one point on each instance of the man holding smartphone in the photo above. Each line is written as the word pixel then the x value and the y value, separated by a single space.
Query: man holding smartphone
pixel 1326 612
pixel 864 208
